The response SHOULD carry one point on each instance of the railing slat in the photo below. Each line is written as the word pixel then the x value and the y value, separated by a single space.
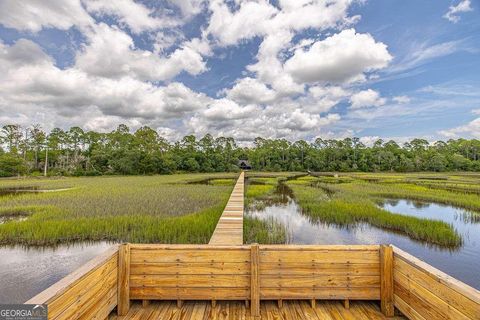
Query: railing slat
pixel 255 281
pixel 386 280
pixel 123 279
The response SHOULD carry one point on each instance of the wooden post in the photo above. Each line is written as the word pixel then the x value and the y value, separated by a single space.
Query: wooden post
pixel 386 280
pixel 255 282
pixel 123 284
pixel 346 304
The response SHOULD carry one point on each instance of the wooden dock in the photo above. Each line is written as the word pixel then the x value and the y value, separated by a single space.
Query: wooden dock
pixel 228 280
pixel 229 230
pixel 235 310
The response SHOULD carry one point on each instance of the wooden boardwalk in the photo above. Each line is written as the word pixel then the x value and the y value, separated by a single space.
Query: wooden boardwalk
pixel 295 309
pixel 229 230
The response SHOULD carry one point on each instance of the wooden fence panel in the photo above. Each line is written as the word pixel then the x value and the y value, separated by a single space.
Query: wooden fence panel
pixel 90 292
pixel 319 272
pixel 190 272
pixel 423 292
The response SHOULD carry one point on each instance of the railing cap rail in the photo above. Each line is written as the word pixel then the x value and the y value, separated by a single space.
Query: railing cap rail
pixel 439 276
pixel 67 282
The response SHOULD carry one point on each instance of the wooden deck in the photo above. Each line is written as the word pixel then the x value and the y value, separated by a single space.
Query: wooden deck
pixel 229 230
pixel 295 309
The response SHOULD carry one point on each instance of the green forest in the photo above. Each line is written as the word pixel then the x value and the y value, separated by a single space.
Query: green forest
pixel 77 152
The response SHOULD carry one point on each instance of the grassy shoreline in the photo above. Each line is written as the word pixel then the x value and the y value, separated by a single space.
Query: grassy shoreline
pixel 261 188
pixel 347 199
pixel 162 209
pixel 346 209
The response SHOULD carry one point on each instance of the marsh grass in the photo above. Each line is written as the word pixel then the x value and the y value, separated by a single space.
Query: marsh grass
pixel 416 192
pixel 455 187
pixel 345 209
pixel 351 198
pixel 222 182
pixel 257 188
pixel 268 231
pixel 355 201
pixel 193 228
pixel 139 209
pixel 282 175
pixel 260 189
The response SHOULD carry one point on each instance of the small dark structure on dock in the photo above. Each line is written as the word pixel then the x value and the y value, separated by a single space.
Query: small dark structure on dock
pixel 244 165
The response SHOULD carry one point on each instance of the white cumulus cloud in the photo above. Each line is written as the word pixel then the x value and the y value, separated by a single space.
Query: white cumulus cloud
pixel 111 53
pixel 453 11
pixel 135 15
pixel 471 129
pixel 33 15
pixel 33 81
pixel 343 57
pixel 366 98
pixel 250 90
pixel 401 99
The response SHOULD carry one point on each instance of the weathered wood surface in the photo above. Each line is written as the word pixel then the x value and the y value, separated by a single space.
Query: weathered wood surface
pixel 229 230
pixel 202 310
pixel 423 292
pixel 190 272
pixel 386 280
pixel 319 272
pixel 255 281
pixel 253 273
pixel 90 292
pixel 123 304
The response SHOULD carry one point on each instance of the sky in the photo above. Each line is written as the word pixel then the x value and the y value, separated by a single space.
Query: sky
pixel 292 69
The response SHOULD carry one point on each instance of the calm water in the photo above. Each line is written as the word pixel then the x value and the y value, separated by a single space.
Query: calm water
pixel 26 272
pixel 461 263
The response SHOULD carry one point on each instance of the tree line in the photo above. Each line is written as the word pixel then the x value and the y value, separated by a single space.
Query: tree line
pixel 76 151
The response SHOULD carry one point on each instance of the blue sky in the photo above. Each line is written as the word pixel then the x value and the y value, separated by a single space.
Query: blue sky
pixel 294 69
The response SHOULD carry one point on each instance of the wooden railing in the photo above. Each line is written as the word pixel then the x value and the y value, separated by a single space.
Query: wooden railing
pixel 253 273
pixel 259 272
pixel 88 293
pixel 423 292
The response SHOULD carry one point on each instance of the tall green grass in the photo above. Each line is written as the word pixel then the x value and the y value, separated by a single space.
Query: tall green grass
pixel 138 209
pixel 192 228
pixel 348 209
pixel 414 192
pixel 268 231
pixel 258 190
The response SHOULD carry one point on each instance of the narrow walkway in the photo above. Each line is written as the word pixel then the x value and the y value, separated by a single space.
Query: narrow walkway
pixel 229 230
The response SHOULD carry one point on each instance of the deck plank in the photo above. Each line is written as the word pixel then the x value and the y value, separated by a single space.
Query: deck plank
pixel 269 310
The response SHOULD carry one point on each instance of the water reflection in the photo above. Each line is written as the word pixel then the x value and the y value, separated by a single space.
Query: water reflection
pixel 422 209
pixel 24 272
pixel 461 262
